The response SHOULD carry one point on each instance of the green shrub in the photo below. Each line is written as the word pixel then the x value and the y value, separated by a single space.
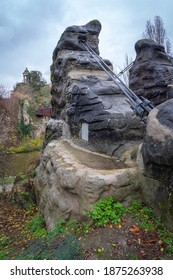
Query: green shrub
pixel 107 210
pixel 27 145
pixel 24 129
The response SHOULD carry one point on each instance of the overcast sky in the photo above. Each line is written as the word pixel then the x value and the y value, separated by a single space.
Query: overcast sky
pixel 30 30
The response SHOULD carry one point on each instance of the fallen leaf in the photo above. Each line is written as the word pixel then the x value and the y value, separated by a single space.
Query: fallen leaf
pixel 143 254
pixel 99 250
pixel 151 241
pixel 134 229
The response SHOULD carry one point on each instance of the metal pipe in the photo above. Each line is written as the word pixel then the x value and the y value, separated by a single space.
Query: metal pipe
pixel 140 106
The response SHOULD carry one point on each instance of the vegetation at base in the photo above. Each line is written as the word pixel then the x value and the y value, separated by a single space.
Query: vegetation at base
pixel 107 210
pixel 36 226
pixel 64 241
pixel 145 216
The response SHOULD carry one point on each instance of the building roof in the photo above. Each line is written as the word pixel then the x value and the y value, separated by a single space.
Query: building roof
pixel 43 112
pixel 26 72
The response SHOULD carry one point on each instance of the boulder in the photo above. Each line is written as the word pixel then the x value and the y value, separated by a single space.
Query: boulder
pixel 156 160
pixel 157 148
pixel 152 71
pixel 84 97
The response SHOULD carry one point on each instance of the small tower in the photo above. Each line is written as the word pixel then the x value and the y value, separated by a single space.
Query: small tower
pixel 26 76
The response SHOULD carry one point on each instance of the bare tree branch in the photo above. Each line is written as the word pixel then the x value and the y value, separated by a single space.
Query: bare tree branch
pixel 4 92
pixel 156 31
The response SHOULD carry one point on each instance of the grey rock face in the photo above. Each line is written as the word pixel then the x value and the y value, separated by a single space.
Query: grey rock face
pixel 69 38
pixel 86 99
pixel 157 146
pixel 152 71
pixel 157 157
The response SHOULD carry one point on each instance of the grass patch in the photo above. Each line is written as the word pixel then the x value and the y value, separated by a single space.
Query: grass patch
pixel 145 216
pixel 149 222
pixel 36 226
pixel 167 236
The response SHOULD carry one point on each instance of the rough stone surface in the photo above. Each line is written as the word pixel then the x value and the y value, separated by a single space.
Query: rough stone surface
pixel 157 148
pixel 84 96
pixel 158 195
pixel 70 180
pixel 152 71
pixel 69 38
pixel 156 159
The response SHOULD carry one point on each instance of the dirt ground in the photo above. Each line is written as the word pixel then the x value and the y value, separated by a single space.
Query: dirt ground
pixel 126 240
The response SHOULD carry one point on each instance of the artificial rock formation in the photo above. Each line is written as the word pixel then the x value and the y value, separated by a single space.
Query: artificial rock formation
pixel 92 111
pixel 157 148
pixel 152 72
pixel 88 105
pixel 156 160
pixel 71 179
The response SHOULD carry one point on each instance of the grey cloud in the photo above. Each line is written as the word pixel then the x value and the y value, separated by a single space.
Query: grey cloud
pixel 30 29
pixel 27 20
pixel 24 27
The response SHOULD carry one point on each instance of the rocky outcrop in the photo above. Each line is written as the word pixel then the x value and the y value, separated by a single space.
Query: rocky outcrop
pixel 156 159
pixel 29 101
pixel 70 180
pixel 152 71
pixel 157 148
pixel 91 106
